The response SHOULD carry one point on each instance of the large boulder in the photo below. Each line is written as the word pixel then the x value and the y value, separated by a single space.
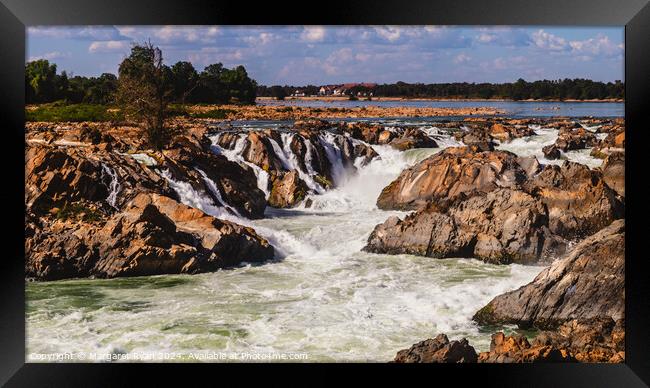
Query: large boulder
pixel 55 176
pixel 153 235
pixel 477 139
pixel 448 174
pixel 588 283
pixel 412 138
pixel 501 226
pixel 288 191
pixel 574 139
pixel 613 169
pixel 578 199
pixel 505 133
pixel 438 350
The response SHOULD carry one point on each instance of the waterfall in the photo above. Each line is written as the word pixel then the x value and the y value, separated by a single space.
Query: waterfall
pixel 291 157
pixel 236 155
pixel 283 242
pixel 335 157
pixel 216 192
pixel 114 186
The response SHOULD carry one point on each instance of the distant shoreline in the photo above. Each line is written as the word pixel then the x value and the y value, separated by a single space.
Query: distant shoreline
pixel 362 99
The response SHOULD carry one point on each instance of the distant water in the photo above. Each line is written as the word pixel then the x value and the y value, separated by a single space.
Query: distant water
pixel 512 108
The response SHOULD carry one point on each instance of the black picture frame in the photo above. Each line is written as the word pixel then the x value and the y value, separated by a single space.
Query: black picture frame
pixel 15 15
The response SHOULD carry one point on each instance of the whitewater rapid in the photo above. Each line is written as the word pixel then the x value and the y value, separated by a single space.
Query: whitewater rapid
pixel 322 296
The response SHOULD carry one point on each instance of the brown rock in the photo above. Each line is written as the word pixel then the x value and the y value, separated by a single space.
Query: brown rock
pixel 288 191
pixel 587 284
pixel 551 152
pixel 449 173
pixel 578 200
pixel 153 235
pixel 501 226
pixel 613 169
pixel 438 349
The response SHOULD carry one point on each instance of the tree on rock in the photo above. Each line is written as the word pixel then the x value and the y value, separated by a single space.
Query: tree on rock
pixel 145 90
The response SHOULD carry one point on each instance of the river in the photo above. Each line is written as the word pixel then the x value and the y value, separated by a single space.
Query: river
pixel 322 296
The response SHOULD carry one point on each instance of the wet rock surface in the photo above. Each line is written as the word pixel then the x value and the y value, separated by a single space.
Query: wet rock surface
pixel 588 283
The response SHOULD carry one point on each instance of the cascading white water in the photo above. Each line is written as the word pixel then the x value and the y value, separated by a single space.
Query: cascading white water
pixel 325 298
pixel 190 197
pixel 235 155
pixel 294 164
pixel 533 145
pixel 212 186
pixel 114 186
pixel 333 153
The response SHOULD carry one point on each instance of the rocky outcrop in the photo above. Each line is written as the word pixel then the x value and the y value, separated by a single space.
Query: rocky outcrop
pixel 438 350
pixel 517 349
pixel 593 340
pixel 551 152
pixel 494 206
pixel 570 139
pixel 191 160
pixel 288 191
pixel 613 143
pixel 55 176
pixel 578 200
pixel 505 133
pixel 448 174
pixel 588 283
pixel 477 139
pixel 502 226
pixel 153 235
pixel 613 169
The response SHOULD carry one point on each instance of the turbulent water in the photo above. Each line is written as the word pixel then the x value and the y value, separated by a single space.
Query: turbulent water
pixel 322 296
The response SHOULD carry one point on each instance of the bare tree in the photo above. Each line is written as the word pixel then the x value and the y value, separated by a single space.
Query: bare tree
pixel 144 92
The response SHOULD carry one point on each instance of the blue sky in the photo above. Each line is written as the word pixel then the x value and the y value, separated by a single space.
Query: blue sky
pixel 300 55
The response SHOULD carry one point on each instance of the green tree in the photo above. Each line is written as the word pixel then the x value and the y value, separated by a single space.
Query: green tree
pixel 185 80
pixel 145 90
pixel 278 92
pixel 41 77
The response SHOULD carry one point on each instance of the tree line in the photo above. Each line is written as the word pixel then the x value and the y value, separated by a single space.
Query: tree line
pixel 216 84
pixel 562 89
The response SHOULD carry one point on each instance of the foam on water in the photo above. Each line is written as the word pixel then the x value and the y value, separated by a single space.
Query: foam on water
pixel 235 155
pixel 532 146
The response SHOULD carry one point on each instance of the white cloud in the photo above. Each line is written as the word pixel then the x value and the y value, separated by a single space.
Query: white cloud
pixel 600 45
pixel 462 58
pixel 548 41
pixel 108 46
pixel 313 33
pixel 391 34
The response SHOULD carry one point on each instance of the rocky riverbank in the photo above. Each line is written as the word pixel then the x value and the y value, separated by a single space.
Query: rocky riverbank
pixel 279 112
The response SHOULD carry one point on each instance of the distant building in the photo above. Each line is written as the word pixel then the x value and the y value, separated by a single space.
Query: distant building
pixel 342 89
pixel 327 90
pixel 298 93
